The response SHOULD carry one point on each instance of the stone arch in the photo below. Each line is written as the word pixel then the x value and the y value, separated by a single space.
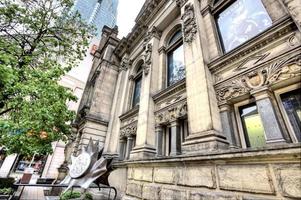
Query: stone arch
pixel 169 31
pixel 136 64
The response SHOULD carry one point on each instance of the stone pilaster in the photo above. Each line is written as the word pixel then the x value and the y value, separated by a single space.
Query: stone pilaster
pixel 159 140
pixel 111 144
pixel 145 138
pixel 203 113
pixel 293 7
pixel 175 144
pixel 227 124
pixel 270 121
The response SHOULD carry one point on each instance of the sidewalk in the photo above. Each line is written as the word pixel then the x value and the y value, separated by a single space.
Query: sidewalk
pixel 33 193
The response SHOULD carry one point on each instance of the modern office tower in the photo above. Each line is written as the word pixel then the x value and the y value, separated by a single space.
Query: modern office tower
pixel 98 12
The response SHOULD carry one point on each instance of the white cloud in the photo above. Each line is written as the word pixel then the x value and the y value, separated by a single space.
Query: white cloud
pixel 127 13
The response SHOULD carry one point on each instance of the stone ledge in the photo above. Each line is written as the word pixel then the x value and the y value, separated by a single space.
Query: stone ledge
pixel 287 152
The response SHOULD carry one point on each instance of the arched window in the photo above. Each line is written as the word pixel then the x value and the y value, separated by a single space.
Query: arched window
pixel 175 59
pixel 137 86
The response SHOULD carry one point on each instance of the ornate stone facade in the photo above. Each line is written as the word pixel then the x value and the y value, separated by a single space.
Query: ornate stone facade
pixel 189 24
pixel 192 138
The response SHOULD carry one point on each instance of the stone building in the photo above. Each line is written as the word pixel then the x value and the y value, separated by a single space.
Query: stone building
pixel 200 101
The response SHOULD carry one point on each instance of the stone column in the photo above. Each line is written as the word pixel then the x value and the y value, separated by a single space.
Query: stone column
pixel 122 145
pixel 203 113
pixel 129 146
pixel 293 7
pixel 175 148
pixel 145 137
pixel 227 124
pixel 159 139
pixel 271 124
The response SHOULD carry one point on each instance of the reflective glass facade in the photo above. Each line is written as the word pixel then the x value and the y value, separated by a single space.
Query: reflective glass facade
pixel 98 12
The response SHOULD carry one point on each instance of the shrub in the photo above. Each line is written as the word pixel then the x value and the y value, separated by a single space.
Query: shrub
pixel 6 182
pixel 6 191
pixel 70 195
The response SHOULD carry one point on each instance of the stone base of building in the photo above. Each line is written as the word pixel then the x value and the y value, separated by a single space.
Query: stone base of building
pixel 142 152
pixel 274 173
pixel 204 142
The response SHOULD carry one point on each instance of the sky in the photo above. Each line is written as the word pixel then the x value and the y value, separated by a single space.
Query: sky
pixel 126 15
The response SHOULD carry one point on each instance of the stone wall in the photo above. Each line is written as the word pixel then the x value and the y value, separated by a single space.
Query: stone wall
pixel 235 175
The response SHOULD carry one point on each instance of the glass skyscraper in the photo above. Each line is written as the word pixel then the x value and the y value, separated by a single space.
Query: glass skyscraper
pixel 98 12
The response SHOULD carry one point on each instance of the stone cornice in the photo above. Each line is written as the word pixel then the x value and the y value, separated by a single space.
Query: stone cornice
pixel 91 118
pixel 279 29
pixel 129 113
pixel 166 92
pixel 139 31
pixel 286 152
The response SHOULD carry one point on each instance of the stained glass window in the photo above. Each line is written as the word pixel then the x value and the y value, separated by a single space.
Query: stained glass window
pixel 252 125
pixel 137 91
pixel 292 104
pixel 241 21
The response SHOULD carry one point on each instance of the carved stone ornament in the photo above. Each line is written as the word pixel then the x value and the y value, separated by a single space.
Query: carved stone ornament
pixel 281 70
pixel 180 3
pixel 147 58
pixel 154 32
pixel 189 24
pixel 124 65
pixel 128 131
pixel 171 114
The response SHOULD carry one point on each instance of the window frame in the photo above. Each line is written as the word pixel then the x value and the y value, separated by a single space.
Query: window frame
pixel 283 113
pixel 240 128
pixel 218 8
pixel 137 76
pixel 170 48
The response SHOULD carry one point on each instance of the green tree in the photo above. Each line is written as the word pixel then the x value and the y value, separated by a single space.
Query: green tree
pixel 40 40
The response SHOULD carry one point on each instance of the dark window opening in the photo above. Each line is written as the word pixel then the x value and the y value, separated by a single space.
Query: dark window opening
pixel 292 105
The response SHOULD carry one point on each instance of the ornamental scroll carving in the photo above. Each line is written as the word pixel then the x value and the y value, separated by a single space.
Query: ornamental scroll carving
pixel 147 58
pixel 124 65
pixel 180 3
pixel 171 114
pixel 189 24
pixel 281 70
pixel 128 131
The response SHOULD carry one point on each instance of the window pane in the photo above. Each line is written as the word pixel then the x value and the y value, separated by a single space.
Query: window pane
pixel 292 104
pixel 176 69
pixel 175 37
pixel 241 21
pixel 137 91
pixel 252 125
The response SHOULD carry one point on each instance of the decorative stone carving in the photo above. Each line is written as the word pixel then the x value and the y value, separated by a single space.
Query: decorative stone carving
pixel 258 58
pixel 181 3
pixel 231 90
pixel 171 114
pixel 281 70
pixel 154 32
pixel 147 58
pixel 128 131
pixel 189 24
pixel 124 65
